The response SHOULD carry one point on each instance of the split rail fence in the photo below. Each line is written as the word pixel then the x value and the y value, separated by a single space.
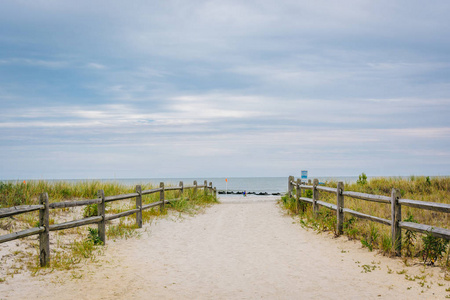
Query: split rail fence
pixel 43 207
pixel 394 200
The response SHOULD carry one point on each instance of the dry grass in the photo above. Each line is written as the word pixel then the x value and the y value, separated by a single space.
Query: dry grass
pixel 374 235
pixel 73 246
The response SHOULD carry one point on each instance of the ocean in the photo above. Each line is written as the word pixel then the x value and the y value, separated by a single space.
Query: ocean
pixel 234 184
pixel 256 185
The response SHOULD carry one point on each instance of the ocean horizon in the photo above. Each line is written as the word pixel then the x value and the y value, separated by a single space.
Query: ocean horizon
pixel 231 184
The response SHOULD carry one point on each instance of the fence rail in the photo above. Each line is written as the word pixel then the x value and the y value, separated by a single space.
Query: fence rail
pixel 395 201
pixel 44 228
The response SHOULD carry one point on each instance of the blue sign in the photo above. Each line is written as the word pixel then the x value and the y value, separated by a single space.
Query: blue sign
pixel 304 174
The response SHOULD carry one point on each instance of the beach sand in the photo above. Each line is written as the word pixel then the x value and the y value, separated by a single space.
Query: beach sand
pixel 243 248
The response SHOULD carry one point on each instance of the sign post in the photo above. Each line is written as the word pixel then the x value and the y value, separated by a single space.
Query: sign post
pixel 226 186
pixel 304 175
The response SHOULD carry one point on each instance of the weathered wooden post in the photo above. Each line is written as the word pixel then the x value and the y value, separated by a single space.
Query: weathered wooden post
pixel 44 237
pixel 195 189
pixel 340 207
pixel 182 188
pixel 161 197
pixel 205 189
pixel 298 194
pixel 101 211
pixel 315 196
pixel 396 231
pixel 290 186
pixel 139 206
pixel 210 188
pixel 215 192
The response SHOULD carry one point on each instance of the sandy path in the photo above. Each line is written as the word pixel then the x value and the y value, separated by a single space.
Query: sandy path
pixel 233 251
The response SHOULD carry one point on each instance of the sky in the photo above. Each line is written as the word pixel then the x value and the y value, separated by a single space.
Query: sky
pixel 148 89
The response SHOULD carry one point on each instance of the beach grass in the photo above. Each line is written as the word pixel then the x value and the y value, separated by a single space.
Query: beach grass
pixel 83 242
pixel 377 236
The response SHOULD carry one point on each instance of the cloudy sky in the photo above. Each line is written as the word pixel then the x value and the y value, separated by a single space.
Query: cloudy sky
pixel 126 89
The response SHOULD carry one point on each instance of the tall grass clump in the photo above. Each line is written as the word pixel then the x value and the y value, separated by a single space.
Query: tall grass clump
pixel 27 192
pixel 377 236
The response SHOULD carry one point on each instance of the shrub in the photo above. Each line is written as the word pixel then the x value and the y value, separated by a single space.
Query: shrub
pixel 434 248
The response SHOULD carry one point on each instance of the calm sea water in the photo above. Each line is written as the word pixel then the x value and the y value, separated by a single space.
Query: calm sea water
pixel 234 184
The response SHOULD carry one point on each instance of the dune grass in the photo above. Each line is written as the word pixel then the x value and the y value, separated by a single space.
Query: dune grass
pixel 84 240
pixel 377 236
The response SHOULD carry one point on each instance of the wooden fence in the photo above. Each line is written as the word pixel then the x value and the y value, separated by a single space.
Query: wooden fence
pixel 394 200
pixel 43 207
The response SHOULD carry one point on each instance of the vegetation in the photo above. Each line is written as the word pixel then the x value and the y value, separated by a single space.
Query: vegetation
pixel 86 244
pixel 377 236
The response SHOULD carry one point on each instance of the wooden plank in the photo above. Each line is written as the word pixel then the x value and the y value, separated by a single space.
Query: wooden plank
pixel 441 207
pixel 122 214
pixel 20 209
pixel 327 189
pixel 154 204
pixel 367 217
pixel 172 188
pixel 435 231
pixel 21 234
pixel 76 223
pixel 309 200
pixel 368 197
pixel 152 191
pixel 65 204
pixel 326 204
pixel 121 197
pixel 306 187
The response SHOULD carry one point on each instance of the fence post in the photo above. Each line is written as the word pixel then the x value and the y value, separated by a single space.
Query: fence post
pixel 161 197
pixel 206 187
pixel 298 194
pixel 340 207
pixel 101 211
pixel 396 231
pixel 315 196
pixel 139 206
pixel 182 188
pixel 44 237
pixel 210 187
pixel 290 186
pixel 195 189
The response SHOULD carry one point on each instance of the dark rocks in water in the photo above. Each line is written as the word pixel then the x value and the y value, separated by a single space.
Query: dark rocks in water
pixel 248 193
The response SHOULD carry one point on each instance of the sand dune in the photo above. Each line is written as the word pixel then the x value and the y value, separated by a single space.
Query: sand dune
pixel 235 250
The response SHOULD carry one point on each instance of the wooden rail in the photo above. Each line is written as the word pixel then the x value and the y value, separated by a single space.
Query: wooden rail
pixel 395 201
pixel 43 207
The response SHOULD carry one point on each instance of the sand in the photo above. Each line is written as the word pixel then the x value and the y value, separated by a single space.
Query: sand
pixel 234 250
